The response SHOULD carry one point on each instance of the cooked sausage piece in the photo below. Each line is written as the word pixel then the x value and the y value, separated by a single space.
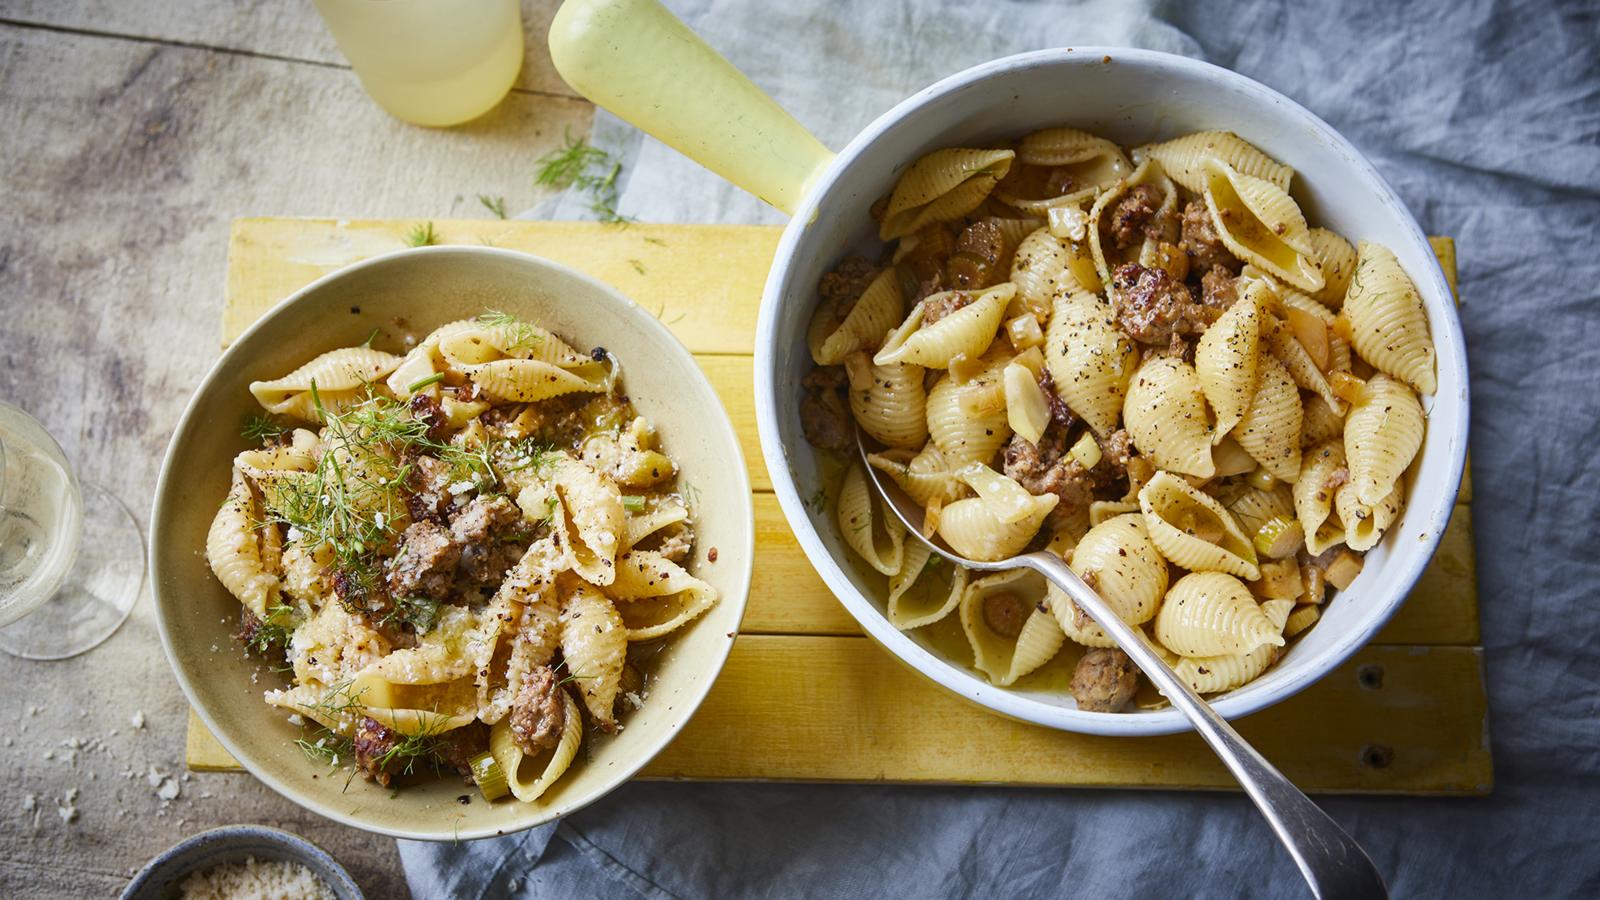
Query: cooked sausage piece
pixel 479 529
pixel 428 496
pixel 425 566
pixel 844 285
pixel 1155 310
pixel 1005 613
pixel 1045 468
pixel 1138 215
pixel 1202 243
pixel 980 250
pixel 1218 288
pixel 1105 680
pixel 456 748
pixel 826 421
pixel 538 714
pixel 374 744
pixel 943 304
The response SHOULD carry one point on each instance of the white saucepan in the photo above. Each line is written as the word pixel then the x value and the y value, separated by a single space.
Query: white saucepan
pixel 637 60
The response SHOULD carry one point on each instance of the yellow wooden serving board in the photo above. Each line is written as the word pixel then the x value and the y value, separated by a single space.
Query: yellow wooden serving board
pixel 805 697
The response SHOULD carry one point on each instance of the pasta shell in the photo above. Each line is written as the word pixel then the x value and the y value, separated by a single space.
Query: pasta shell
pixel 1193 530
pixel 1119 561
pixel 1090 360
pixel 1226 359
pixel 942 186
pixel 964 429
pixel 1037 269
pixel 1382 435
pixel 1313 496
pixel 1364 524
pixel 530 775
pixel 342 378
pixel 594 644
pixel 925 590
pixel 880 306
pixel 1298 363
pixel 1214 674
pixel 876 536
pixel 1183 158
pixel 1102 511
pixel 656 596
pixel 1253 507
pixel 925 476
pixel 1261 224
pixel 1270 429
pixel 967 332
pixel 1165 415
pixel 1063 147
pixel 1106 256
pixel 997 524
pixel 1338 261
pixel 1213 614
pixel 233 548
pixel 894 406
pixel 1000 599
pixel 1387 321
pixel 590 518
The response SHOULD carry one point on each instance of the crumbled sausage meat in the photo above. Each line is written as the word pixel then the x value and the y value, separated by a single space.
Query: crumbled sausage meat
pixel 1218 288
pixel 943 304
pixel 825 420
pixel 844 285
pixel 980 249
pixel 1202 243
pixel 1116 449
pixel 1044 468
pixel 374 746
pixel 825 377
pixel 456 748
pixel 1005 613
pixel 1105 680
pixel 1138 215
pixel 924 265
pixel 1155 310
pixel 538 714
pixel 481 528
pixel 428 495
pixel 425 566
pixel 427 410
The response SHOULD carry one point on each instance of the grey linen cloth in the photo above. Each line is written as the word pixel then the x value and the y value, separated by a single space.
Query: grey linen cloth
pixel 1486 118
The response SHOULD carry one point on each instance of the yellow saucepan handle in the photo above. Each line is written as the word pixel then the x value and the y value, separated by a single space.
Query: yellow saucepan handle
pixel 637 60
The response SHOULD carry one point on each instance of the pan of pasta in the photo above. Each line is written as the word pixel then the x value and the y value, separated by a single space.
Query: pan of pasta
pixel 451 543
pixel 1130 307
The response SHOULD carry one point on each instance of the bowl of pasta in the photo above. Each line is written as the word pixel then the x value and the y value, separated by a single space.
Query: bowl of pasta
pixel 1125 305
pixel 450 543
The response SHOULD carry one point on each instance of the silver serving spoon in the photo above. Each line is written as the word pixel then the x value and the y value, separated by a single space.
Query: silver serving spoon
pixel 1333 864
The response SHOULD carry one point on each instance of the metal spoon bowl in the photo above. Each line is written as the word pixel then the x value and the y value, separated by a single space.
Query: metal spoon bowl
pixel 1333 864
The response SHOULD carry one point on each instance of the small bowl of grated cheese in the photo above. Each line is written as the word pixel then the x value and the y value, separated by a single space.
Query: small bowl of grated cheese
pixel 243 862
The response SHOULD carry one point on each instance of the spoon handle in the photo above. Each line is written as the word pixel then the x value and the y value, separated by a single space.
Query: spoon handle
pixel 1333 864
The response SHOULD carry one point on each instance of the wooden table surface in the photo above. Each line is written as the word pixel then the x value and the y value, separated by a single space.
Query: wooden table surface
pixel 135 133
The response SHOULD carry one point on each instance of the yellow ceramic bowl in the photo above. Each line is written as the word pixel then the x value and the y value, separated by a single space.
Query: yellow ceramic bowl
pixel 424 288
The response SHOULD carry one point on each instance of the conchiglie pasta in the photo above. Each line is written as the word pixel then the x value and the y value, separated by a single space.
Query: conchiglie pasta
pixel 1165 415
pixel 1118 559
pixel 893 408
pixel 1320 472
pixel 424 360
pixel 1037 269
pixel 1382 434
pixel 594 644
pixel 1214 674
pixel 1009 634
pixel 1298 363
pixel 530 775
pixel 965 333
pixel 1213 614
pixel 1226 358
pixel 1107 256
pixel 655 596
pixel 589 517
pixel 1261 224
pixel 942 186
pixel 925 590
pixel 1270 429
pixel 1090 360
pixel 926 476
pixel 341 378
pixel 1318 421
pixel 1338 261
pixel 967 419
pixel 233 548
pixel 1183 158
pixel 1193 530
pixel 874 534
pixel 878 309
pixel 1387 321
pixel 1365 523
pixel 994 525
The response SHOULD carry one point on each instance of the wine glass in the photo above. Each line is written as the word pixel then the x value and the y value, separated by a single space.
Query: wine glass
pixel 71 558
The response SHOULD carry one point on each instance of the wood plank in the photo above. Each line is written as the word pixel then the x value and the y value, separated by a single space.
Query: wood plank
pixel 289 29
pixel 871 719
pixel 704 281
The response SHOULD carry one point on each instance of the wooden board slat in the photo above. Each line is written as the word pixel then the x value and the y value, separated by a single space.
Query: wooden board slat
pixel 704 281
pixel 841 709
pixel 856 714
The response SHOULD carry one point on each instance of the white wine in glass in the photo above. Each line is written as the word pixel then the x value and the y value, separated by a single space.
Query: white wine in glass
pixel 71 559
